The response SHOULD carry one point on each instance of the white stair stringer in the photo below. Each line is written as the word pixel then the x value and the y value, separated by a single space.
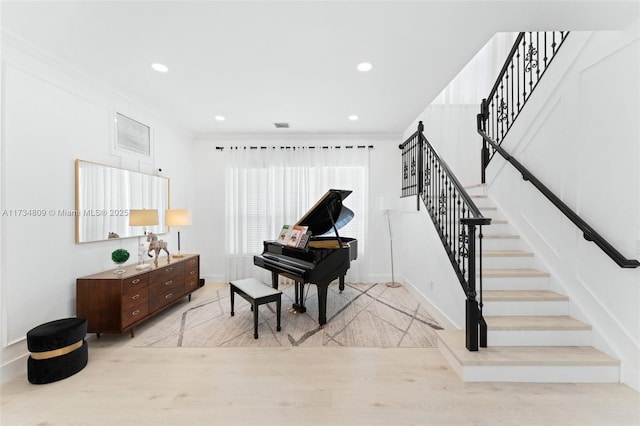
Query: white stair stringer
pixel 531 337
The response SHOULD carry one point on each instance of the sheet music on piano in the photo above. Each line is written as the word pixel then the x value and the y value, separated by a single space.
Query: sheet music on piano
pixel 322 259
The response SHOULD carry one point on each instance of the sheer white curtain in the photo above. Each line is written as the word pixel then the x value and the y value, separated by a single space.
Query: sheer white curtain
pixel 267 188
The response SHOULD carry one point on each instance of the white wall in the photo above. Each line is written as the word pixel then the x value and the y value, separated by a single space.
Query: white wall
pixel 52 115
pixel 579 134
pixel 209 184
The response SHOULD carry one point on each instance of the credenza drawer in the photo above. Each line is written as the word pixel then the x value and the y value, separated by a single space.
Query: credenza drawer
pixel 135 298
pixel 191 272
pixel 168 283
pixel 134 314
pixel 134 284
pixel 157 301
pixel 166 273
pixel 190 284
pixel 191 263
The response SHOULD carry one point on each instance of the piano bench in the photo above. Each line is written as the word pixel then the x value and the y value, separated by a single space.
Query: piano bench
pixel 256 293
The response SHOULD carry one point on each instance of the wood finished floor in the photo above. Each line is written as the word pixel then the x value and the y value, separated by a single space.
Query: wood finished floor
pixel 128 385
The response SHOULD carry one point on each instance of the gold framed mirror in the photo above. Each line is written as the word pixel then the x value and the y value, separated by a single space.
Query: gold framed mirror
pixel 105 196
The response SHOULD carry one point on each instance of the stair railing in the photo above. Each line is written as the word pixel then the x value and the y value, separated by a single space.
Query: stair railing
pixel 529 58
pixel 517 80
pixel 457 220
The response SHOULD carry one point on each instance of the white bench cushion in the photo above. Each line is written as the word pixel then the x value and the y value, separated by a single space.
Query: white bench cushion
pixel 254 288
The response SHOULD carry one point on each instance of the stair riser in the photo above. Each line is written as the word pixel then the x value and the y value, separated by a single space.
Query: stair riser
pixel 496 228
pixel 507 262
pixel 477 190
pixel 502 244
pixel 542 374
pixel 532 373
pixel 483 202
pixel 491 212
pixel 526 308
pixel 510 283
pixel 539 337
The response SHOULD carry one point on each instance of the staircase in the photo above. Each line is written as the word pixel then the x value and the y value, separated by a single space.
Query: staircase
pixel 531 337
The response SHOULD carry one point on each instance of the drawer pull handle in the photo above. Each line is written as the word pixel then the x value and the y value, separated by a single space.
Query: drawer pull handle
pixel 168 270
pixel 136 312
pixel 169 282
pixel 136 281
pixel 168 296
pixel 192 272
pixel 135 297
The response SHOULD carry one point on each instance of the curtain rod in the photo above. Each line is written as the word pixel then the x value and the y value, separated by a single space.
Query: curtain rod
pixel 221 148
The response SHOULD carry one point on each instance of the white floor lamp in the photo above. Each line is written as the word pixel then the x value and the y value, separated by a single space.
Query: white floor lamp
pixel 386 205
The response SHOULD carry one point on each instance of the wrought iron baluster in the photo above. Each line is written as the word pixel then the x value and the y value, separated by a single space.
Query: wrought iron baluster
pixel 545 50
pixel 531 52
pixel 449 215
pixel 537 56
pixel 454 227
pixel 512 109
pixel 524 72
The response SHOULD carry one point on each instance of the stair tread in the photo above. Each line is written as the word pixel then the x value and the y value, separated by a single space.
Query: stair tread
pixel 513 273
pixel 522 296
pixel 535 322
pixel 506 253
pixel 523 355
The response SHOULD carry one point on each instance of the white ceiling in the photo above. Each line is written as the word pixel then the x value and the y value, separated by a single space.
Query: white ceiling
pixel 260 62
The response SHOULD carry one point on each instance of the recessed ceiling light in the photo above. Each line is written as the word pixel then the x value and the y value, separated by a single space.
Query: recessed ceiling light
pixel 364 66
pixel 219 118
pixel 353 117
pixel 159 67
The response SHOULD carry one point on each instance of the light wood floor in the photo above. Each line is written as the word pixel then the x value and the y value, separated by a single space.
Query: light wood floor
pixel 127 385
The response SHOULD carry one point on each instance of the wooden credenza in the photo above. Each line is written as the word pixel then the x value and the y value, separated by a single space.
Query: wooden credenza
pixel 113 303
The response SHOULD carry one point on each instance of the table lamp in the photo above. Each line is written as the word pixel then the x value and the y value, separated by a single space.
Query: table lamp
pixel 142 217
pixel 178 218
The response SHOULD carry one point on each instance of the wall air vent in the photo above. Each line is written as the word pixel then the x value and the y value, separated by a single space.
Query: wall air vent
pixel 281 125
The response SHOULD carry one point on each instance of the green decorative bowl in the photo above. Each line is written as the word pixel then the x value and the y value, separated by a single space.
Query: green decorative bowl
pixel 119 256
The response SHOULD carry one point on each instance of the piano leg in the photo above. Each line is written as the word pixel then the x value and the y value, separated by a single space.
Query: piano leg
pixel 322 304
pixel 274 280
pixel 299 300
pixel 341 283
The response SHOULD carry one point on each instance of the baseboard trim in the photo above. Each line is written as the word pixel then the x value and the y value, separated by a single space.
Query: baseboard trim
pixel 14 368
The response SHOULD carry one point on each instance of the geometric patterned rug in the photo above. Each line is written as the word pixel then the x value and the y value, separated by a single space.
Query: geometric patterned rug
pixel 363 315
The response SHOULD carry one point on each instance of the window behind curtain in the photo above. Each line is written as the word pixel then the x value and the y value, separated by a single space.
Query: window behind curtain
pixel 270 201
pixel 266 190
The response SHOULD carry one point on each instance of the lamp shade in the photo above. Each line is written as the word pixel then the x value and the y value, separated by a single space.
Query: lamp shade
pixel 143 217
pixel 178 217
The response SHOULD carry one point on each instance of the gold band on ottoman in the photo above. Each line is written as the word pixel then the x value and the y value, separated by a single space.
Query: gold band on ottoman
pixel 57 352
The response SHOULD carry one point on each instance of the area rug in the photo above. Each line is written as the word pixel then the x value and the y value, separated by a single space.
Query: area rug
pixel 363 315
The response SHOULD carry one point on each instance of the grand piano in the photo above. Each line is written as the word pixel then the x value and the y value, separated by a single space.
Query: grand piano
pixel 325 257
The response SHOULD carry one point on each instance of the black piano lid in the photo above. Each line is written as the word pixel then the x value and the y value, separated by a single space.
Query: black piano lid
pixel 319 217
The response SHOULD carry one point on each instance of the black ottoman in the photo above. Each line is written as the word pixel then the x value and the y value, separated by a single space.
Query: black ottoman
pixel 58 350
